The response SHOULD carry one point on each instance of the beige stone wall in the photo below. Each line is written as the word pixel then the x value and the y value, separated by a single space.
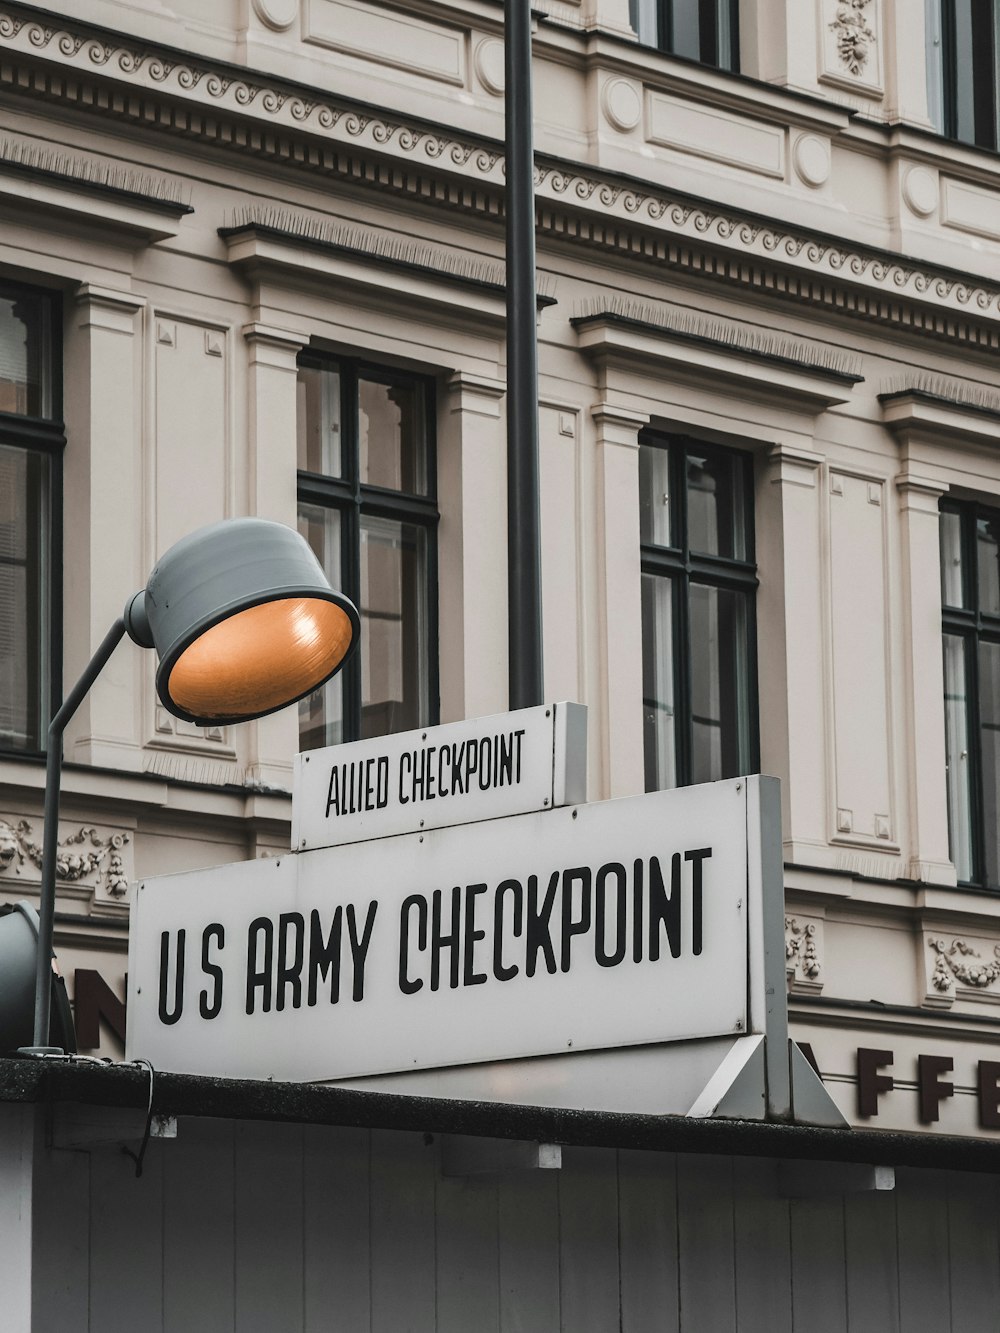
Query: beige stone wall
pixel 804 212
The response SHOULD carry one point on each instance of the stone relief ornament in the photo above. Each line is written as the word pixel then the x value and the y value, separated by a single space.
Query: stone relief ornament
pixel 855 36
pixel 85 857
pixel 960 963
pixel 802 959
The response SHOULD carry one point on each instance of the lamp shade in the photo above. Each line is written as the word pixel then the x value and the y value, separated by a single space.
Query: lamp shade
pixel 243 620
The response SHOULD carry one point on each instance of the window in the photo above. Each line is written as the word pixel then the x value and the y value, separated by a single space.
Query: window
pixel 367 506
pixel 970 596
pixel 698 626
pixel 702 30
pixel 964 45
pixel 31 442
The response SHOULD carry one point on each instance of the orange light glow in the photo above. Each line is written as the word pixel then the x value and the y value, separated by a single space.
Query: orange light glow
pixel 261 658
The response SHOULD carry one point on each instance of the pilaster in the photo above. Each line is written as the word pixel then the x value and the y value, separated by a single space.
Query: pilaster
pixel 790 619
pixel 472 547
pixel 924 674
pixel 272 364
pixel 619 589
pixel 102 526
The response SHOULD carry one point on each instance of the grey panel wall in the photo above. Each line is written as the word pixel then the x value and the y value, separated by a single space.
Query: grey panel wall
pixel 261 1227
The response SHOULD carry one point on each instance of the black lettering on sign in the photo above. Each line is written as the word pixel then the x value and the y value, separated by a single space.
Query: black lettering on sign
pixel 505 759
pixel 324 956
pixel 405 761
pixel 605 959
pixel 664 911
pixel 502 971
pixel 457 768
pixel 696 859
pixel 291 931
pixel 470 977
pixel 260 962
pixel 407 986
pixel 485 763
pixel 444 754
pixel 169 1016
pixel 539 935
pixel 471 760
pixel 359 945
pixel 450 941
pixel 574 925
pixel 637 911
pixel 213 934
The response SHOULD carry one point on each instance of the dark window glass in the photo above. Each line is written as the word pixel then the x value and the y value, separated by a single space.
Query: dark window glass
pixel 970 585
pixel 969 32
pixel 31 442
pixel 702 30
pixel 367 508
pixel 698 631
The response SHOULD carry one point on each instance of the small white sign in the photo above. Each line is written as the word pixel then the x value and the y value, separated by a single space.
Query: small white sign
pixel 488 767
pixel 605 925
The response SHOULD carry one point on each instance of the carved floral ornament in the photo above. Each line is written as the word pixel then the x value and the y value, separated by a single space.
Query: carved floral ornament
pixel 801 952
pixel 959 962
pixel 855 35
pixel 82 858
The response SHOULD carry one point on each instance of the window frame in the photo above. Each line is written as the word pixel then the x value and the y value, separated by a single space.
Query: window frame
pixel 45 436
pixel 685 568
pixel 653 23
pixel 951 80
pixel 974 627
pixel 353 499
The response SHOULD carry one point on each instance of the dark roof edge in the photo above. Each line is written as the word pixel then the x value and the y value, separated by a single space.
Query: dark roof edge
pixel 47 1082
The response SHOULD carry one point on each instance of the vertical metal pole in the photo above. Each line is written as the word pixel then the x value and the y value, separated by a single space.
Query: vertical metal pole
pixel 524 571
pixel 50 836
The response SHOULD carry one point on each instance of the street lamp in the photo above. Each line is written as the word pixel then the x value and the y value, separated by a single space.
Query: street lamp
pixel 244 622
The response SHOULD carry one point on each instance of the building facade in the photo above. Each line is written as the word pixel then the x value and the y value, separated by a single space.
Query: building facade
pixel 251 262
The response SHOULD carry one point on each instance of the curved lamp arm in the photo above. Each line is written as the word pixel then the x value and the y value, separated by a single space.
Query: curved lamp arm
pixel 50 840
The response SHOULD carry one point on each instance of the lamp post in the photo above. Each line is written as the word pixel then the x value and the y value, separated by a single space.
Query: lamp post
pixel 244 622
pixel 524 573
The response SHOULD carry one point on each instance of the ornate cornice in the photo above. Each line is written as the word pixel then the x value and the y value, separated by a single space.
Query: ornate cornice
pixel 170 91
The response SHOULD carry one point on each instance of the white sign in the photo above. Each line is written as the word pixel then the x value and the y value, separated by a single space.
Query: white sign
pixel 533 759
pixel 613 924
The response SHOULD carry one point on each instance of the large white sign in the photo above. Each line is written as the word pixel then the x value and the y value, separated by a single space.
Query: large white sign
pixel 612 924
pixel 488 767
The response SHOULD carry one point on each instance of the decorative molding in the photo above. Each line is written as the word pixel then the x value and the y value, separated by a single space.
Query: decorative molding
pixel 851 46
pixel 477 394
pixel 958 971
pixel 278 15
pixel 812 160
pixel 270 346
pixel 132 83
pixel 618 425
pixel 87 859
pixel 855 37
pixel 803 964
pixel 621 102
pixel 943 406
pixel 488 62
pixel 920 191
pixel 397 38
pixel 695 348
pixel 791 465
